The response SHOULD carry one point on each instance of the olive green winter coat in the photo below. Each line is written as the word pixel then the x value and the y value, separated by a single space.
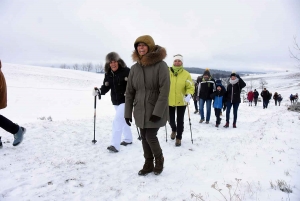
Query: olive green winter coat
pixel 148 88
pixel 181 85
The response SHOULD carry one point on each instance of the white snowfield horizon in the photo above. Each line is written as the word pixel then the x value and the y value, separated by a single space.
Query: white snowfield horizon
pixel 57 160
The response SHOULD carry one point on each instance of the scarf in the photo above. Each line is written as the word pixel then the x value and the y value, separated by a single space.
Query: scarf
pixel 234 81
pixel 176 69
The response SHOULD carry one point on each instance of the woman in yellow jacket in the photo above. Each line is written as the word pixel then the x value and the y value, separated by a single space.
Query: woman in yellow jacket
pixel 181 90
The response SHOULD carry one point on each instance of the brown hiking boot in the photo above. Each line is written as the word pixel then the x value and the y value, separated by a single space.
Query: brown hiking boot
pixel 217 125
pixel 201 120
pixel 226 125
pixel 234 125
pixel 178 143
pixel 159 165
pixel 147 168
pixel 173 135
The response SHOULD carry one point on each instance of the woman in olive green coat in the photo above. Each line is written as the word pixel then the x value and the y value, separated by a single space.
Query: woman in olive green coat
pixel 146 96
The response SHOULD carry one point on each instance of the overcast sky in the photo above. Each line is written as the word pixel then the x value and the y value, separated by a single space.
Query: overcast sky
pixel 230 35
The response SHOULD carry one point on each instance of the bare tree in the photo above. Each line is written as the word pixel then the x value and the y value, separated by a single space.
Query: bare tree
pixel 225 82
pixel 63 66
pixel 250 85
pixel 262 83
pixel 296 54
pixel 89 66
pixel 99 68
pixel 75 66
pixel 83 67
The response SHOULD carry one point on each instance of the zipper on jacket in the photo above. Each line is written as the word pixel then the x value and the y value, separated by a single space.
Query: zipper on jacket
pixel 231 93
pixel 145 104
pixel 115 87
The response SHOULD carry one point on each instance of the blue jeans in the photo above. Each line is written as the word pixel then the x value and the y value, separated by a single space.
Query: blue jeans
pixel 265 103
pixel 208 108
pixel 235 110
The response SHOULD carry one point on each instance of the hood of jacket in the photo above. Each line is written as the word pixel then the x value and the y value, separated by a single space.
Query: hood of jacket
pixel 158 54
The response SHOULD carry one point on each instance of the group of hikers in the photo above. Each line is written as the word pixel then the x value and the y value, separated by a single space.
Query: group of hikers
pixel 266 96
pixel 155 94
pixel 294 98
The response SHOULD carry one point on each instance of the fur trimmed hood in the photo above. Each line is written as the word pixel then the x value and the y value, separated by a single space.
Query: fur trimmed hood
pixel 158 54
pixel 113 56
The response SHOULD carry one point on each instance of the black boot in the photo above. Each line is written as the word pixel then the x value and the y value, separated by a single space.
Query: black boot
pixel 159 165
pixel 147 168
pixel 226 125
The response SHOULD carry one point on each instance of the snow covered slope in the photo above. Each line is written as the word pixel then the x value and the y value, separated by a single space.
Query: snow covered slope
pixel 57 160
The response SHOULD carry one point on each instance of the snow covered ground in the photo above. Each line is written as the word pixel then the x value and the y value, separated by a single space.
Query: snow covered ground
pixel 57 160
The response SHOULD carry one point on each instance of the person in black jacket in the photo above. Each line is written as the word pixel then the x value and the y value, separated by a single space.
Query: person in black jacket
pixel 265 94
pixel 115 80
pixel 255 95
pixel 206 87
pixel 233 97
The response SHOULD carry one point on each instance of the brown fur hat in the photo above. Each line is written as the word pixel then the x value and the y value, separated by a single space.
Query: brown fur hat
pixel 113 56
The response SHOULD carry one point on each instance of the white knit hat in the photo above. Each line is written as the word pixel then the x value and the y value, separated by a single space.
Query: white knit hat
pixel 178 56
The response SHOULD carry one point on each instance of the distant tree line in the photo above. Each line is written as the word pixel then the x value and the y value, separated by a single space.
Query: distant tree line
pixel 98 68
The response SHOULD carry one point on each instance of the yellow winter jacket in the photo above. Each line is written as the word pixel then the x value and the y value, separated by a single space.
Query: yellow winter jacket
pixel 181 85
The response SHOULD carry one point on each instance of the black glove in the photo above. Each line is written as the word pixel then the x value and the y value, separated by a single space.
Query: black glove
pixel 128 121
pixel 154 118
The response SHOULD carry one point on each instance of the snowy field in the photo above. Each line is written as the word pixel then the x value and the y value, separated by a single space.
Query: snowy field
pixel 57 160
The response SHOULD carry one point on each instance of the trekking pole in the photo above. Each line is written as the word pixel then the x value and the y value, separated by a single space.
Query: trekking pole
pixel 95 103
pixel 190 122
pixel 166 133
pixel 139 138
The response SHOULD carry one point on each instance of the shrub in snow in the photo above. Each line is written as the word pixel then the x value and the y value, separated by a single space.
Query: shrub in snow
pixel 294 107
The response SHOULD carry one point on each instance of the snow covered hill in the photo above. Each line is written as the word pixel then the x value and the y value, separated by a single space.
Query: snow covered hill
pixel 57 160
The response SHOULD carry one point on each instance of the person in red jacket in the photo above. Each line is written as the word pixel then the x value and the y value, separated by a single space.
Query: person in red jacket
pixel 250 97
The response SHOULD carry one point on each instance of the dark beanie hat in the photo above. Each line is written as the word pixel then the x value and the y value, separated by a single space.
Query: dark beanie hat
pixel 233 74
pixel 148 40
pixel 206 72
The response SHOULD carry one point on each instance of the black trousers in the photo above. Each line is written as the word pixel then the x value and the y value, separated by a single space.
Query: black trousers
pixel 180 120
pixel 8 125
pixel 196 104
pixel 217 113
pixel 255 101
pixel 150 143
